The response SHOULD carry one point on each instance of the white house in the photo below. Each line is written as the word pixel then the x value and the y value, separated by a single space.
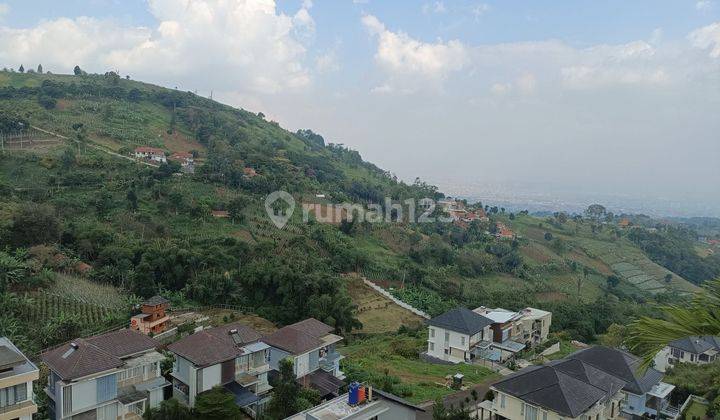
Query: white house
pixel 109 376
pixel 458 335
pixel 513 331
pixel 230 356
pixel 311 346
pixel 597 383
pixel 17 374
pixel 150 153
pixel 695 349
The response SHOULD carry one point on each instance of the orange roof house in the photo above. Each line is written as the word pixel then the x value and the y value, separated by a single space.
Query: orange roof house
pixel 153 318
pixel 504 232
pixel 624 223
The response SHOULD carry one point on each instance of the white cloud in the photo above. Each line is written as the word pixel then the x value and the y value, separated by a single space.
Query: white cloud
pixel 327 62
pixel 480 9
pixel 436 7
pixel 250 42
pixel 704 5
pixel 707 37
pixel 409 61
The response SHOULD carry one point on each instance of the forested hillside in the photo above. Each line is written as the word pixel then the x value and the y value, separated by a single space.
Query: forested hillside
pixel 71 210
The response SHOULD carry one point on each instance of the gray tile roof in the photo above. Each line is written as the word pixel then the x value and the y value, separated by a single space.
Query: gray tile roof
pixel 87 356
pixel 695 344
pixel 215 345
pixel 461 320
pixel 622 365
pixel 567 387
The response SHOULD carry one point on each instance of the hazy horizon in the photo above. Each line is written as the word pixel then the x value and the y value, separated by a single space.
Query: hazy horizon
pixel 483 98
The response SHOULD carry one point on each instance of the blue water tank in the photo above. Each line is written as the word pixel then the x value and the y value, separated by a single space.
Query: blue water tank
pixel 353 391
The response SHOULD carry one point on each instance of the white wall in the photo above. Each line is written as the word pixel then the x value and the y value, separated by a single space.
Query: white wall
pixel 84 395
pixel 456 340
pixel 302 365
pixel 210 377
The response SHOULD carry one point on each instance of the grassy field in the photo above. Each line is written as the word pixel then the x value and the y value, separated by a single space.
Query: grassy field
pixel 423 381
pixel 377 313
pixel 695 411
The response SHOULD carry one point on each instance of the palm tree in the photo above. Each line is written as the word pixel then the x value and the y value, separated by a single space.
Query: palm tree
pixel 701 317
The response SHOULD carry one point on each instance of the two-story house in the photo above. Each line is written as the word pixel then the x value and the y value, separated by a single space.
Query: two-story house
pixel 645 393
pixel 311 346
pixel 458 335
pixel 107 376
pixel 514 331
pixel 17 374
pixel 153 318
pixel 695 349
pixel 230 356
pixel 378 405
pixel 562 389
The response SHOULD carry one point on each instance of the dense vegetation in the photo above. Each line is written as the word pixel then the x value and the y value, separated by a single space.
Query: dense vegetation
pixel 146 230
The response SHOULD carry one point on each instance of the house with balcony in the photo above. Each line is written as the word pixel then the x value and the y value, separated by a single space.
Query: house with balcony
pixel 514 331
pixel 153 318
pixel 17 374
pixel 564 389
pixel 377 405
pixel 109 376
pixel 698 350
pixel 231 356
pixel 458 335
pixel 644 392
pixel 312 347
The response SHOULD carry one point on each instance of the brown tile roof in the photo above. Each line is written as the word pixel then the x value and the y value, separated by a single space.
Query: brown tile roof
pixel 313 327
pixel 214 345
pixel 299 337
pixel 96 354
pixel 292 340
pixel 147 149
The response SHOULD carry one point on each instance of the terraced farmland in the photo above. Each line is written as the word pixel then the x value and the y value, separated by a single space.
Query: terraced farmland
pixel 634 267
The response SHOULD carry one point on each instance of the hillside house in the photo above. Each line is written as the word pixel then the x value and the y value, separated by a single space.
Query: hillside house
pixel 17 374
pixel 595 384
pixel 458 335
pixel 231 356
pixel 645 393
pixel 150 153
pixel 183 158
pixel 109 376
pixel 695 349
pixel 377 405
pixel 504 232
pixel 311 346
pixel 153 318
pixel 563 389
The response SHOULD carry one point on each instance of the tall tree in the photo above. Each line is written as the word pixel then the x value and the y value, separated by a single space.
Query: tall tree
pixel 21 69
pixel 284 400
pixel 77 71
pixel 168 410
pixel 216 404
pixel 40 69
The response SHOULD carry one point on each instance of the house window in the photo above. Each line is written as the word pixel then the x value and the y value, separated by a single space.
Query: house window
pixel 531 413
pixel 678 354
pixel 692 357
pixel 612 409
pixel 544 415
pixel 447 337
pixel 432 346
pixel 432 333
pixel 106 388
pixel 13 395
pixel 462 340
pixel 502 400
pixel 67 400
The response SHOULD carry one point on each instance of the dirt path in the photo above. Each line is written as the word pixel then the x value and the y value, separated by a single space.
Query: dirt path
pixel 96 147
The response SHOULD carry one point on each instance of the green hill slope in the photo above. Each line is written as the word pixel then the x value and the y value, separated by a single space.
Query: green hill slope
pixel 146 229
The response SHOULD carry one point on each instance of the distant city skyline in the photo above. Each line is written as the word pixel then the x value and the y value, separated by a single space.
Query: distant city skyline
pixel 615 98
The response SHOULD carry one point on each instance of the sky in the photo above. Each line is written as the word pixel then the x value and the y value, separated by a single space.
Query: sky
pixel 569 99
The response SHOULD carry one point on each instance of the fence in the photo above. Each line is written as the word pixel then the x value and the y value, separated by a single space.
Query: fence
pixel 396 300
pixel 25 139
